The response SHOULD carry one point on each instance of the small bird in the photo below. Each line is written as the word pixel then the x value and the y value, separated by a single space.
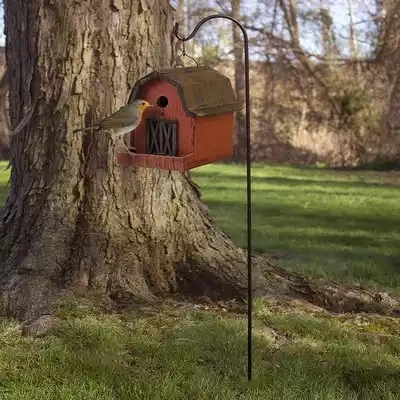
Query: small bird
pixel 123 121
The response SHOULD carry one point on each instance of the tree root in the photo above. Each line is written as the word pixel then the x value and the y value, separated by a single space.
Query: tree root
pixel 329 295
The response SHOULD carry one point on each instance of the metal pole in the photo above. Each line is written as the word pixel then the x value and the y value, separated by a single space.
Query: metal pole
pixel 248 174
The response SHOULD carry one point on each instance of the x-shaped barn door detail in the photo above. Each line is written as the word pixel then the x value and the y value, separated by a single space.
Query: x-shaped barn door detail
pixel 161 137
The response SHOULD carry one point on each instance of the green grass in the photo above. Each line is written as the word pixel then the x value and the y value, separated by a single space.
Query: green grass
pixel 193 354
pixel 4 176
pixel 334 223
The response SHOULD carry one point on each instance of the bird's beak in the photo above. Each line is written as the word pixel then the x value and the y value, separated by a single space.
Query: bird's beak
pixel 148 109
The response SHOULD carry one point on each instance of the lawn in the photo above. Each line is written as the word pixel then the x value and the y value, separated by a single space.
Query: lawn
pixel 341 225
pixel 337 224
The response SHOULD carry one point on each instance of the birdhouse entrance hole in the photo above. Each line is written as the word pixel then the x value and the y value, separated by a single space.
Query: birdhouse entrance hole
pixel 162 101
pixel 161 137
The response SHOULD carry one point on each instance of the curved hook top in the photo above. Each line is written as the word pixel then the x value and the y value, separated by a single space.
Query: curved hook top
pixel 204 20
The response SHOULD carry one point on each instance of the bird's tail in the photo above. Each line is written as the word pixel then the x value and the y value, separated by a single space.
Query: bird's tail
pixel 88 128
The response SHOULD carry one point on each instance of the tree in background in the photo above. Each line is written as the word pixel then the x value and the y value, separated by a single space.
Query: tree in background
pixel 238 54
pixel 387 57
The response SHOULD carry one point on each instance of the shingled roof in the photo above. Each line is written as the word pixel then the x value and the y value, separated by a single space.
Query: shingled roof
pixel 202 90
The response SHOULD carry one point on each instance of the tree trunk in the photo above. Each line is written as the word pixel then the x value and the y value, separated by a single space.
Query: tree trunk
pixel 76 221
pixel 240 120
pixel 353 42
pixel 388 58
pixel 4 120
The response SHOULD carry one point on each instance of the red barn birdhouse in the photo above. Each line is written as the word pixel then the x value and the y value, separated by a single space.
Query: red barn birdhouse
pixel 191 123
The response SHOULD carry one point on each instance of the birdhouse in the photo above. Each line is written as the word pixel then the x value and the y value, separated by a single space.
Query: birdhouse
pixel 191 123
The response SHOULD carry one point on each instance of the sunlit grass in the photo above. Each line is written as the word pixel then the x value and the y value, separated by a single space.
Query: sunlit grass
pixel 195 354
pixel 4 176
pixel 342 225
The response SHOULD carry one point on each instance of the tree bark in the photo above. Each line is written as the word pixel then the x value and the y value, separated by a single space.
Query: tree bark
pixel 353 41
pixel 387 58
pixel 240 120
pixel 74 219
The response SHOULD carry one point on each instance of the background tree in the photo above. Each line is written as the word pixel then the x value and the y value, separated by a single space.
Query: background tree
pixel 387 58
pixel 238 53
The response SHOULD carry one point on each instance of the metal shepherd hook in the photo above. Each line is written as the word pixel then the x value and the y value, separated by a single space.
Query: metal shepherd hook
pixel 248 170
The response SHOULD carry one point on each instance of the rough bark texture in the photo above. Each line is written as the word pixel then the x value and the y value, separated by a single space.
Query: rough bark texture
pixel 240 120
pixel 76 221
pixel 388 56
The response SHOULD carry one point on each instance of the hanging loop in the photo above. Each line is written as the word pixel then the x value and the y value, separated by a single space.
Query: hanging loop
pixel 183 53
pixel 179 63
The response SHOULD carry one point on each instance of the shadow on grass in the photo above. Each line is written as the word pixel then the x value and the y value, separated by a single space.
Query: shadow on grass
pixel 345 247
pixel 349 229
pixel 291 182
pixel 377 165
pixel 354 237
pixel 345 230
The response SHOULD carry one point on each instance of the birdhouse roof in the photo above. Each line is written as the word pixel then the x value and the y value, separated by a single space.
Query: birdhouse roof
pixel 203 91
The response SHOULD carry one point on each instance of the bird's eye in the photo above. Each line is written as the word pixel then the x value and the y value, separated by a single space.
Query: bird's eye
pixel 143 103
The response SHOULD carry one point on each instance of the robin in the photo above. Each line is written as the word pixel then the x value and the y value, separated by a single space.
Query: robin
pixel 123 121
